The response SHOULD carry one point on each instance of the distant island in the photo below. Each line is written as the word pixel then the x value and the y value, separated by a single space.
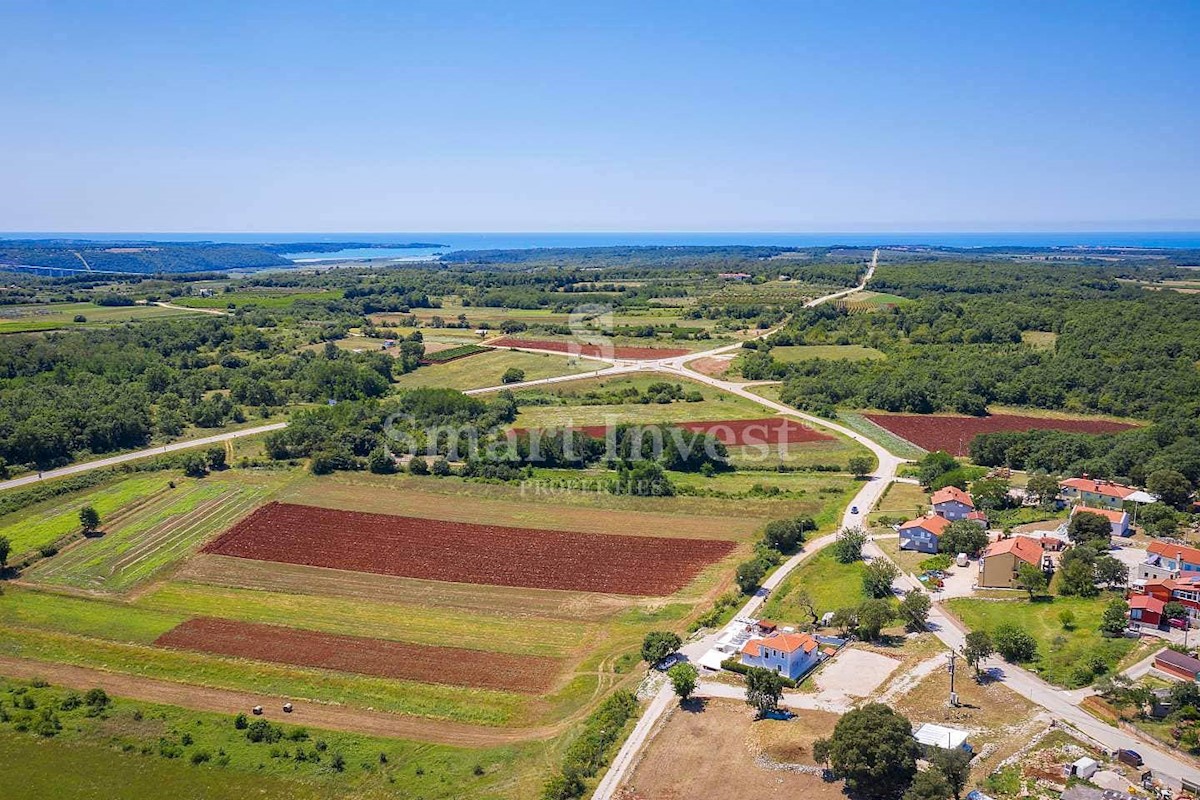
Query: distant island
pixel 145 257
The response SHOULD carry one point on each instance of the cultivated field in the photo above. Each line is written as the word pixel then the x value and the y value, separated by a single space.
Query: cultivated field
pixel 771 431
pixel 487 369
pixel 468 553
pixel 52 316
pixel 954 433
pixel 585 350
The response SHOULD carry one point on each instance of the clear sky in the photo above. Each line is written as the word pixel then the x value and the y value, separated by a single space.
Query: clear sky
pixel 558 116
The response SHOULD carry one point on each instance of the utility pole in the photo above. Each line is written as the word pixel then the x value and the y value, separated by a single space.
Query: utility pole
pixel 950 668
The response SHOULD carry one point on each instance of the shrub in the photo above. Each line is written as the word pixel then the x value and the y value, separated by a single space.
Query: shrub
pixel 240 722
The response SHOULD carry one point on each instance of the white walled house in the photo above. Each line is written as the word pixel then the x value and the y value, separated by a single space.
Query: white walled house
pixel 790 654
pixel 952 503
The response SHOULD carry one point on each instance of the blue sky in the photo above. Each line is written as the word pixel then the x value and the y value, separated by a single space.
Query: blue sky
pixel 688 116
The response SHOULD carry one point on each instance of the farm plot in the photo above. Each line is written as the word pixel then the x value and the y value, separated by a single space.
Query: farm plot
pixel 488 368
pixel 159 534
pixel 469 553
pixel 365 656
pixel 954 433
pixel 739 432
pixel 590 350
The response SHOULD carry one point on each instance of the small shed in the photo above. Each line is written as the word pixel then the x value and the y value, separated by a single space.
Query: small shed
pixel 1177 665
pixel 1083 768
pixel 942 737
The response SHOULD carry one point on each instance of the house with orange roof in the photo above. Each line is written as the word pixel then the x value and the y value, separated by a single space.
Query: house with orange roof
pixel 1000 561
pixel 1095 492
pixel 1118 518
pixel 1147 609
pixel 922 534
pixel 790 654
pixel 1167 560
pixel 952 503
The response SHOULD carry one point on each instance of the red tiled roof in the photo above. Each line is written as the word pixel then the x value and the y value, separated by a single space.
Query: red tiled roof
pixel 1101 487
pixel 935 525
pixel 1113 514
pixel 977 515
pixel 784 642
pixel 1147 603
pixel 949 493
pixel 1022 547
pixel 1169 550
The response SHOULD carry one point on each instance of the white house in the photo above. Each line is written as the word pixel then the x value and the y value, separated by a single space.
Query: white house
pixel 952 503
pixel 1117 518
pixel 790 654
pixel 922 534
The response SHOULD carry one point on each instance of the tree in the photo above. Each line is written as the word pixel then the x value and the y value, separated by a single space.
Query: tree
pixel 5 550
pixel 683 679
pixel 1111 571
pixel 848 546
pixel 1043 488
pixel 860 466
pixel 764 690
pixel 873 615
pixel 1031 579
pixel 89 519
pixel 933 465
pixel 380 462
pixel 418 466
pixel 872 749
pixel 1086 528
pixel 1172 487
pixel 194 465
pixel 215 456
pixel 955 766
pixel 990 493
pixel 1175 610
pixel 1112 623
pixel 845 620
pixel 657 645
pixel 1013 643
pixel 929 784
pixel 914 610
pixel 785 535
pixel 878 576
pixel 977 646
pixel 441 467
pixel 1077 577
pixel 963 536
pixel 749 575
pixel 512 375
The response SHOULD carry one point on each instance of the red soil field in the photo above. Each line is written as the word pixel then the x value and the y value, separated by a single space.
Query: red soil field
pixel 590 349
pixel 733 432
pixel 954 434
pixel 387 659
pixel 468 553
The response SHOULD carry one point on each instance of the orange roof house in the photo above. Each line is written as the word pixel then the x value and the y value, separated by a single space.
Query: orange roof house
pixel 790 654
pixel 951 494
pixel 1000 561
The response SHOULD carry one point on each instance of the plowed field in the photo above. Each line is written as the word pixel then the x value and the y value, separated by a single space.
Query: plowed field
pixel 954 434
pixel 768 431
pixel 468 553
pixel 388 659
pixel 591 349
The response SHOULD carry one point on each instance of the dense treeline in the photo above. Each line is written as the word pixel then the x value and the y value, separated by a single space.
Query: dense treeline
pixel 142 257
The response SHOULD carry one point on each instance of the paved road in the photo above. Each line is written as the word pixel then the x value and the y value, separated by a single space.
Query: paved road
pixel 150 451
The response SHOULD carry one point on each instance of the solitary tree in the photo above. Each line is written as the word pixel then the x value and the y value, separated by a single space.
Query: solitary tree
pixel 1031 579
pixel 5 549
pixel 860 466
pixel 1112 623
pixel 512 375
pixel 873 615
pixel 658 645
pixel 929 784
pixel 764 690
pixel 89 518
pixel 683 679
pixel 963 536
pixel 1043 489
pixel 873 750
pixel 785 535
pixel 914 610
pixel 955 767
pixel 1013 643
pixel 848 546
pixel 976 648
pixel 878 576
pixel 1111 571
pixel 749 575
pixel 1086 527
pixel 1175 610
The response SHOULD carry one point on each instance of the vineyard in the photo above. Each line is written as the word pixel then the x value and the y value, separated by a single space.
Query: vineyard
pixel 452 353
pixel 455 666
pixel 469 553
pixel 954 434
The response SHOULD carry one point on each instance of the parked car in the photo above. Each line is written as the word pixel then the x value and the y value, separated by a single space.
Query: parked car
pixel 853 509
pixel 1130 757
pixel 1178 623
pixel 668 662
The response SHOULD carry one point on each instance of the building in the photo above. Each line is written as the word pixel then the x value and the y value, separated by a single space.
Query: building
pixel 979 517
pixel 929 735
pixel 1183 590
pixel 952 503
pixel 1118 518
pixel 1165 560
pixel 1177 665
pixel 1000 561
pixel 1147 610
pixel 922 534
pixel 790 654
pixel 1095 492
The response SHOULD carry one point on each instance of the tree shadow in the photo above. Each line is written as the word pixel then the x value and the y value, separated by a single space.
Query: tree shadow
pixel 694 705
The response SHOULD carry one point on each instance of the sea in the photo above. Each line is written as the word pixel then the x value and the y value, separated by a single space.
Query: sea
pixel 523 241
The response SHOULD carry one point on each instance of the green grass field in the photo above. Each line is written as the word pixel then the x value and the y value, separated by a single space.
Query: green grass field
pixel 839 352
pixel 272 299
pixel 156 534
pixel 1060 651
pixel 1039 340
pixel 906 500
pixel 44 523
pixel 52 316
pixel 894 444
pixel 830 584
pixel 487 369
pixel 138 750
